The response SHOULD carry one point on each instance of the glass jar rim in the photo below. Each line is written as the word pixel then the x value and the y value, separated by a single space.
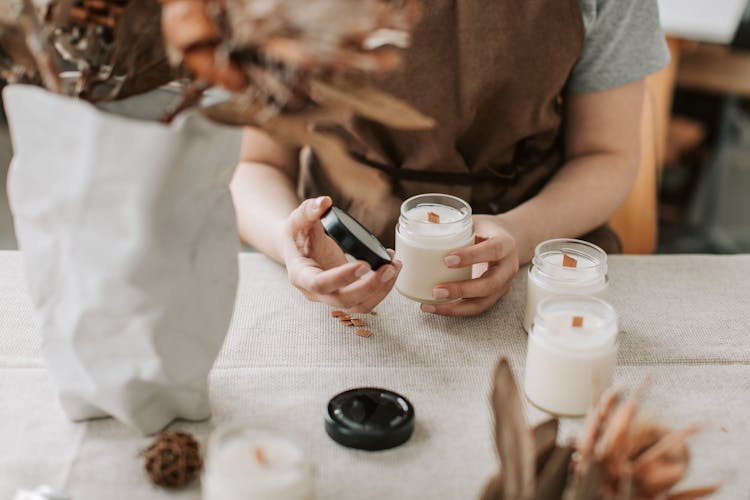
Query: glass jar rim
pixel 574 247
pixel 454 202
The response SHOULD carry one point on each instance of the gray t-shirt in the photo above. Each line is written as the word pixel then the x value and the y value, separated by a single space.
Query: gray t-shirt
pixel 624 42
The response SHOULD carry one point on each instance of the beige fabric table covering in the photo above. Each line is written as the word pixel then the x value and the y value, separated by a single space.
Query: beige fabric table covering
pixel 685 322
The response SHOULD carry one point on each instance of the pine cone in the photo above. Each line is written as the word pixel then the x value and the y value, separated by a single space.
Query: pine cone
pixel 173 459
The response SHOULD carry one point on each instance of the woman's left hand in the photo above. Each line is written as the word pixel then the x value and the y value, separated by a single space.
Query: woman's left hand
pixel 494 258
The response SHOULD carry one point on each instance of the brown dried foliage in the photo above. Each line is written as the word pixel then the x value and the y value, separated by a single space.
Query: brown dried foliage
pixel 114 47
pixel 296 67
pixel 619 456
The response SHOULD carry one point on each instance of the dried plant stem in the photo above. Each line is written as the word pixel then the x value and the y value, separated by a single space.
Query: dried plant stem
pixel 36 40
pixel 191 96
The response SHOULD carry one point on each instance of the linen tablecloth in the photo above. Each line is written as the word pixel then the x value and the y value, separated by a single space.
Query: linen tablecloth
pixel 685 323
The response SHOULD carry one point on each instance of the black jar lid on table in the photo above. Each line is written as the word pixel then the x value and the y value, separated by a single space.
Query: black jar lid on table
pixel 369 418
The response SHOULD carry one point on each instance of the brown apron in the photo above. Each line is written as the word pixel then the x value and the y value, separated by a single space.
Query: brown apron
pixel 492 74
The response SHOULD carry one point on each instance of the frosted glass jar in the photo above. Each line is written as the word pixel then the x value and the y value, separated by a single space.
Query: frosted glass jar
pixel 548 277
pixel 247 463
pixel 422 245
pixel 568 367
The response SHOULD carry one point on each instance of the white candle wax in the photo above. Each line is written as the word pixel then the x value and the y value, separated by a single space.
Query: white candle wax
pixel 248 464
pixel 422 245
pixel 568 367
pixel 548 276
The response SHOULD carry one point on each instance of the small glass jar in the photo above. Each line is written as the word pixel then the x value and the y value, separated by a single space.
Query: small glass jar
pixel 548 276
pixel 422 245
pixel 571 355
pixel 249 463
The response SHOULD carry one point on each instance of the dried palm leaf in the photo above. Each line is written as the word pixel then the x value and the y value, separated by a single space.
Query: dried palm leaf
pixel 513 439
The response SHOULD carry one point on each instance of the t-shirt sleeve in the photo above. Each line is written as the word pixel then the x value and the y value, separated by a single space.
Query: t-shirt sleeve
pixel 624 42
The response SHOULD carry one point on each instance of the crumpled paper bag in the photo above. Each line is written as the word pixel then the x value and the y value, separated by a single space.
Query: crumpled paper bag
pixel 128 235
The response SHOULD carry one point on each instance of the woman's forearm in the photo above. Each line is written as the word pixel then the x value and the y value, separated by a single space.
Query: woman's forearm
pixel 602 145
pixel 263 198
pixel 581 197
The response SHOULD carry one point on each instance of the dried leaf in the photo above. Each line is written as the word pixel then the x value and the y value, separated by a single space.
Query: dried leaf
pixel 493 490
pixel 545 438
pixel 513 438
pixel 586 484
pixel 36 38
pixel 693 493
pixel 554 476
pixel 616 433
pixel 139 57
pixel 659 477
pixel 596 420
pixel 671 447
pixel 372 104
pixel 644 435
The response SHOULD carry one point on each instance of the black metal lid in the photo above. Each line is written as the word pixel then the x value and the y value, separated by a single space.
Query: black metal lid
pixel 354 238
pixel 369 418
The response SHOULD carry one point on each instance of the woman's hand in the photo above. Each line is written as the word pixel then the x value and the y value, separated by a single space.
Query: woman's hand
pixel 495 259
pixel 317 267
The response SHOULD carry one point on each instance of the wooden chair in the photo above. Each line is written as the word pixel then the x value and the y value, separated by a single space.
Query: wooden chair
pixel 637 219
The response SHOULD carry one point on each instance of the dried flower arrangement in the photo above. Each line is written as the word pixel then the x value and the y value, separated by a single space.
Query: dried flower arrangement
pixel 619 457
pixel 111 49
pixel 292 67
pixel 295 66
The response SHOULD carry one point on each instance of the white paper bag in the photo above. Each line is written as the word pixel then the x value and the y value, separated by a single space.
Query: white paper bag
pixel 129 240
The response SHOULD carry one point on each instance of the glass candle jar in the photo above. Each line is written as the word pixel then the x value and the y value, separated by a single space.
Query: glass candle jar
pixel 430 227
pixel 552 272
pixel 571 355
pixel 246 463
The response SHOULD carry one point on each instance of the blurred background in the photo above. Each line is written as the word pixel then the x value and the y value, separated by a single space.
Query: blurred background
pixel 693 190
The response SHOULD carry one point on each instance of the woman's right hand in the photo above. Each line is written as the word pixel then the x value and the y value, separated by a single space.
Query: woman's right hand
pixel 318 268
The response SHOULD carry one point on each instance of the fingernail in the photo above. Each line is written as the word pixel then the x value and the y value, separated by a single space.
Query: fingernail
pixel 428 308
pixel 388 274
pixel 362 270
pixel 318 202
pixel 440 293
pixel 452 260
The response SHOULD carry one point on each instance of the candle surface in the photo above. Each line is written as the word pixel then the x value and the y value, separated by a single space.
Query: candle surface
pixel 257 465
pixel 421 226
pixel 592 334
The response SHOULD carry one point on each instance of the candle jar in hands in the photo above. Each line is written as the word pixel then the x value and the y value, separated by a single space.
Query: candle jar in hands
pixel 430 227
pixel 564 267
pixel 571 355
pixel 246 463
